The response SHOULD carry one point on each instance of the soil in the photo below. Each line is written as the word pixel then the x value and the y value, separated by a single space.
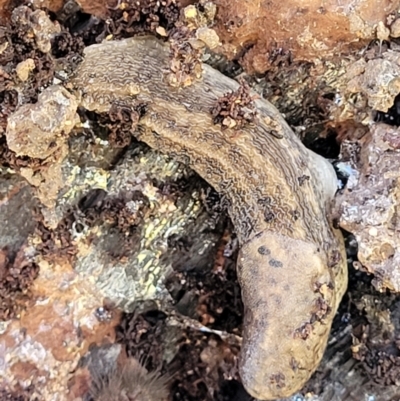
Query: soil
pixel 203 366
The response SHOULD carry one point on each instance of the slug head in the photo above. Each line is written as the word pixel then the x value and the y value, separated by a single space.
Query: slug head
pixel 290 297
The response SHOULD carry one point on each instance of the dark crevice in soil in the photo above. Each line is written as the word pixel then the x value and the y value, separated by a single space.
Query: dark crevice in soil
pixel 392 116
pixel 198 363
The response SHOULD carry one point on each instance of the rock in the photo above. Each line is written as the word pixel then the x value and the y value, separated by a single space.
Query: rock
pixel 395 29
pixel 196 17
pixel 382 32
pixel 48 178
pixel 49 122
pixel 40 131
pixel 309 29
pixel 377 79
pixel 208 36
pixel 141 273
pixel 24 68
pixel 41 26
pixel 16 212
pixel 53 334
pixel 369 206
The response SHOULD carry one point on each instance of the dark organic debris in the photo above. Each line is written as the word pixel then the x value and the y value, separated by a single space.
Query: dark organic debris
pixel 16 278
pixel 185 62
pixel 132 17
pixel 9 159
pixel 235 109
pixel 383 367
pixel 8 101
pixel 198 363
pixel 376 342
pixel 123 215
pixel 212 298
pixel 119 123
pixel 374 318
pixel 20 45
pixel 22 395
pixel 56 242
pixel 141 333
pixel 30 62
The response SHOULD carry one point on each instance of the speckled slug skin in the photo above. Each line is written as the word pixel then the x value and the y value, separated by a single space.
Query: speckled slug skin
pixel 292 266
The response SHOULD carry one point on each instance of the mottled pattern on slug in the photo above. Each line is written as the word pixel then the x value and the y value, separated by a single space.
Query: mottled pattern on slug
pixel 277 190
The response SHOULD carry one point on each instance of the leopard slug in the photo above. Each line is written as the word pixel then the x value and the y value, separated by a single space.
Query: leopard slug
pixel 291 265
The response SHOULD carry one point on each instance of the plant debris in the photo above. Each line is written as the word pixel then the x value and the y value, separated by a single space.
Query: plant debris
pixel 119 123
pixel 185 57
pixel 132 17
pixel 235 109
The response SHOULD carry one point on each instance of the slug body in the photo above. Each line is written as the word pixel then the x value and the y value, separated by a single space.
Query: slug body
pixel 292 266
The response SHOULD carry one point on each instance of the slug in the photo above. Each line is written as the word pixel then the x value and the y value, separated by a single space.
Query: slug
pixel 291 265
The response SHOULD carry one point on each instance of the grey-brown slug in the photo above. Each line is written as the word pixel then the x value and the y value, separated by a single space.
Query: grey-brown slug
pixel 292 266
